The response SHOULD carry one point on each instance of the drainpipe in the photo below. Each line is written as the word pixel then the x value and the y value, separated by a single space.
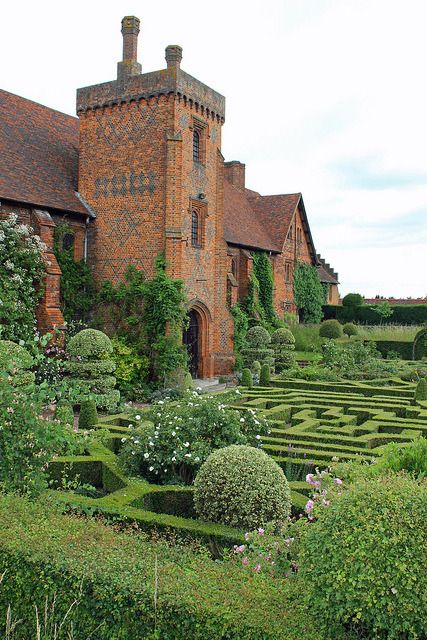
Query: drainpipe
pixel 85 241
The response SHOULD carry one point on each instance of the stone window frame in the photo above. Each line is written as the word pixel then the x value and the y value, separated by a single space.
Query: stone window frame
pixel 200 210
pixel 288 271
pixel 201 130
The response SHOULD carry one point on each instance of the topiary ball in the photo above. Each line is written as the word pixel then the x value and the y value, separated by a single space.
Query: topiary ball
pixel 241 487
pixel 350 329
pixel 264 376
pixel 362 562
pixel 90 343
pixel 330 329
pixel 258 337
pixel 283 337
pixel 88 416
pixel 247 380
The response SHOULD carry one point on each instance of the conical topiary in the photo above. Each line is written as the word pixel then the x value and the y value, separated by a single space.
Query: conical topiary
pixel 247 380
pixel 421 391
pixel 88 414
pixel 264 378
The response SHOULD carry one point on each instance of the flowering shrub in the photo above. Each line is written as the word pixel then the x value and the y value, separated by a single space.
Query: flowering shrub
pixel 21 274
pixel 241 486
pixel 356 360
pixel 183 434
pixel 362 562
pixel 268 549
pixel 15 360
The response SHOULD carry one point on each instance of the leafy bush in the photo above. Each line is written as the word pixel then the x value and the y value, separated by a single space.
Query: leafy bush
pixel 184 433
pixel 131 370
pixel 420 344
pixel 88 369
pixel 352 300
pixel 21 276
pixel 27 442
pixel 330 329
pixel 179 379
pixel 283 343
pixel 256 367
pixel 64 413
pixel 410 457
pixel 14 360
pixel 311 372
pixel 356 360
pixel 88 416
pixel 421 390
pixel 242 487
pixel 363 561
pixel 350 329
pixel 247 380
pixel 264 376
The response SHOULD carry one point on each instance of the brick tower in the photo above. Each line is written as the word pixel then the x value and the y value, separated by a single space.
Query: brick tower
pixel 151 169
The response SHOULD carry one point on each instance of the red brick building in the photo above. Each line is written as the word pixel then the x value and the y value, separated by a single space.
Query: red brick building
pixel 141 172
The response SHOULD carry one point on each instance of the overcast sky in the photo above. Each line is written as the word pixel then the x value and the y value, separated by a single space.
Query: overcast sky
pixel 326 97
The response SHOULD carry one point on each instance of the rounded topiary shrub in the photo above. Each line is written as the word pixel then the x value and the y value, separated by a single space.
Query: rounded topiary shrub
pixel 256 367
pixel 264 376
pixel 247 380
pixel 420 344
pixel 15 360
pixel 363 561
pixel 421 390
pixel 241 487
pixel 330 329
pixel 350 329
pixel 258 340
pixel 283 343
pixel 89 368
pixel 88 416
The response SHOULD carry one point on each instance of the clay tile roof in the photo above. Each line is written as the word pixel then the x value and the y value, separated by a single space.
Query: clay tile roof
pixel 324 276
pixel 275 213
pixel 241 224
pixel 38 155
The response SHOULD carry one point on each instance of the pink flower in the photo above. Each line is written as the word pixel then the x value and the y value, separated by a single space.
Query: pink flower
pixel 240 548
pixel 247 536
pixel 245 560
pixel 309 478
pixel 257 568
pixel 337 481
pixel 309 506
pixel 261 531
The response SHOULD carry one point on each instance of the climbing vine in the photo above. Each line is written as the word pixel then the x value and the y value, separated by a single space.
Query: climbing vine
pixel 21 279
pixel 77 283
pixel 264 274
pixel 308 292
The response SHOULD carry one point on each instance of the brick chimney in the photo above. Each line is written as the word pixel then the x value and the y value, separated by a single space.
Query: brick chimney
pixel 129 66
pixel 173 56
pixel 234 171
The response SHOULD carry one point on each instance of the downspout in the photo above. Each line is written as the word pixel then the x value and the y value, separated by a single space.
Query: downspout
pixel 85 240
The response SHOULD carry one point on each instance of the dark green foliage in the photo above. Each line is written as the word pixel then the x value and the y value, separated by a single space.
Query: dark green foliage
pixel 247 380
pixel 401 347
pixel 239 334
pixel 179 379
pixel 421 390
pixel 330 329
pixel 256 367
pixel 402 314
pixel 258 340
pixel 264 376
pixel 308 292
pixel 263 272
pixel 420 344
pixel 352 300
pixel 363 561
pixel 357 360
pixel 410 457
pixel 77 283
pixel 126 587
pixel 88 416
pixel 14 362
pixel 241 487
pixel 283 343
pixel 350 329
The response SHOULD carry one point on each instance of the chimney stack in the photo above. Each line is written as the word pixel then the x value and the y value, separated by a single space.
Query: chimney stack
pixel 173 56
pixel 129 66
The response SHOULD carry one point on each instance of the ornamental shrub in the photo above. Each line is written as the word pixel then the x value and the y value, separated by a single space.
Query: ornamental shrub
pixel 89 368
pixel 420 344
pixel 403 456
pixel 283 343
pixel 350 329
pixel 258 340
pixel 64 412
pixel 132 369
pixel 14 360
pixel 184 433
pixel 330 329
pixel 88 416
pixel 352 300
pixel 421 390
pixel 362 562
pixel 247 380
pixel 256 367
pixel 241 487
pixel 264 376
pixel 21 276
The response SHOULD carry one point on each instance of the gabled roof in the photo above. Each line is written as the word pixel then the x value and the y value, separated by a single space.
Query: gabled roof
pixel 325 271
pixel 38 155
pixel 275 213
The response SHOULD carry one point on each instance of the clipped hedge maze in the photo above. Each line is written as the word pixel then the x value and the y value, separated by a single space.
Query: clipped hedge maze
pixel 314 423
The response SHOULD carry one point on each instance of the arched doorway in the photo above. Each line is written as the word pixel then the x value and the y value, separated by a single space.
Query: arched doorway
pixel 191 339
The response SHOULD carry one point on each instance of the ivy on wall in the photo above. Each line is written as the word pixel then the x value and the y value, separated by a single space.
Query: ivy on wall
pixel 77 283
pixel 308 292
pixel 264 273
